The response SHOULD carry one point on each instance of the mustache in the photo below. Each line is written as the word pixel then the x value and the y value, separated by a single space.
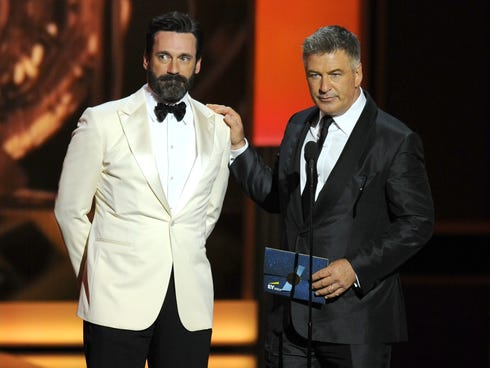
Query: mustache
pixel 172 78
pixel 169 88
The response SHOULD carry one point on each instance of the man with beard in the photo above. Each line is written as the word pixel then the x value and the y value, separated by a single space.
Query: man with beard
pixel 155 165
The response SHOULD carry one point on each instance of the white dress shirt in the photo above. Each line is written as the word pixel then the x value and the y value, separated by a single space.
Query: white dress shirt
pixel 338 134
pixel 174 147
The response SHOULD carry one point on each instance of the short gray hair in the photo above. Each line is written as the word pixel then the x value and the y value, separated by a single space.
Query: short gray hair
pixel 330 39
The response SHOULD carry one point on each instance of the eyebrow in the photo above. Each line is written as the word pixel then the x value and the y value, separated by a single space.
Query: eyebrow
pixel 313 71
pixel 165 52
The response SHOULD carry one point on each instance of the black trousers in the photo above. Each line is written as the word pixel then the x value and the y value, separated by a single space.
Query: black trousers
pixel 290 350
pixel 165 344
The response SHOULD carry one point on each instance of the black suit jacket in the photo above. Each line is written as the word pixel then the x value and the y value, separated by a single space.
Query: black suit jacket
pixel 375 210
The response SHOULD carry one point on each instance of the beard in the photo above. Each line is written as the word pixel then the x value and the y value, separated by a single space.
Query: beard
pixel 169 88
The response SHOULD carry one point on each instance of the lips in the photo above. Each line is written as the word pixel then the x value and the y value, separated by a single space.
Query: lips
pixel 326 98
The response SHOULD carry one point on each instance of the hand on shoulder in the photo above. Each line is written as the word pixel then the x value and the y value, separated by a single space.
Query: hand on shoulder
pixel 234 121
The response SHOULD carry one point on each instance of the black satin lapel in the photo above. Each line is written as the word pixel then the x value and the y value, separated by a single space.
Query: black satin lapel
pixel 355 148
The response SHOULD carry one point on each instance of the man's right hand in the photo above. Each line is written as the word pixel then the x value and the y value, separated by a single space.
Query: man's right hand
pixel 234 121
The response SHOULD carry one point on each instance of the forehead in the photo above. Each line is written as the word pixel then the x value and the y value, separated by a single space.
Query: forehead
pixel 328 61
pixel 175 43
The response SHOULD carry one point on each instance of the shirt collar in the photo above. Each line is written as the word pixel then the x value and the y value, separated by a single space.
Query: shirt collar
pixel 347 121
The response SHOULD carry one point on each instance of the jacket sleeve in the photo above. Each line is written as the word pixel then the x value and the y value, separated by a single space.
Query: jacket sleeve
pixel 80 174
pixel 411 217
pixel 257 180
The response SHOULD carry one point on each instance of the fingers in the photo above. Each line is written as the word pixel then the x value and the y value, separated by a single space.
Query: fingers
pixel 231 117
pixel 234 121
pixel 334 291
pixel 331 291
pixel 321 274
pixel 221 109
pixel 333 280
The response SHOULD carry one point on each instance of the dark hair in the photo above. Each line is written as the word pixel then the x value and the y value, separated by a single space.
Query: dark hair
pixel 174 22
pixel 330 39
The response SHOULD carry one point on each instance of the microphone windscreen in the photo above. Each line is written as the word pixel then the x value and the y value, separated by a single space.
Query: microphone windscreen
pixel 311 151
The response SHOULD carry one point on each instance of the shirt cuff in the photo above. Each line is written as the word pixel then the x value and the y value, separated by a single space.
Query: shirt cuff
pixel 357 284
pixel 235 153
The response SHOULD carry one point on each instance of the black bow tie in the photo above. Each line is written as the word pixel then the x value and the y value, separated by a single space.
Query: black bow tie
pixel 161 111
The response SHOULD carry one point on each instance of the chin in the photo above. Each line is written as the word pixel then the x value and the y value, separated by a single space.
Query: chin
pixel 326 108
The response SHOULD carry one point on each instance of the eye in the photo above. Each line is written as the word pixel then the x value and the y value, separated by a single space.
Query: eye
pixel 312 75
pixel 165 58
pixel 185 58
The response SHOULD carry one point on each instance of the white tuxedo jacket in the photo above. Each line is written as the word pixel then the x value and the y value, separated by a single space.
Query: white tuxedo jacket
pixel 124 254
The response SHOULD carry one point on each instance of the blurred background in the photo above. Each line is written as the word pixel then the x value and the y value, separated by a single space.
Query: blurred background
pixel 425 62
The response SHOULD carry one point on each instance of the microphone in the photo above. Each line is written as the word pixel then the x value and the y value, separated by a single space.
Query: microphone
pixel 311 152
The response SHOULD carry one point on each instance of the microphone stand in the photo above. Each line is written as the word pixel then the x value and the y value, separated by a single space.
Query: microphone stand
pixel 312 189
pixel 311 153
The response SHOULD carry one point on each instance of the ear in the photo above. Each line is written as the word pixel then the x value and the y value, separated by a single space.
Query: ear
pixel 146 62
pixel 197 69
pixel 358 75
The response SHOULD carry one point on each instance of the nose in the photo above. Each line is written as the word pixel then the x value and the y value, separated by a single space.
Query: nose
pixel 324 85
pixel 173 67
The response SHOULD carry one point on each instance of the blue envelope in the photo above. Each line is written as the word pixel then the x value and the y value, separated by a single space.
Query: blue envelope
pixel 287 273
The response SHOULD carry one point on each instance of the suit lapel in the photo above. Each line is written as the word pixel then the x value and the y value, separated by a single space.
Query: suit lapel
pixel 355 148
pixel 204 148
pixel 134 122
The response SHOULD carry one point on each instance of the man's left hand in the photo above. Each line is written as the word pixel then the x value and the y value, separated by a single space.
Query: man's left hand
pixel 333 280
